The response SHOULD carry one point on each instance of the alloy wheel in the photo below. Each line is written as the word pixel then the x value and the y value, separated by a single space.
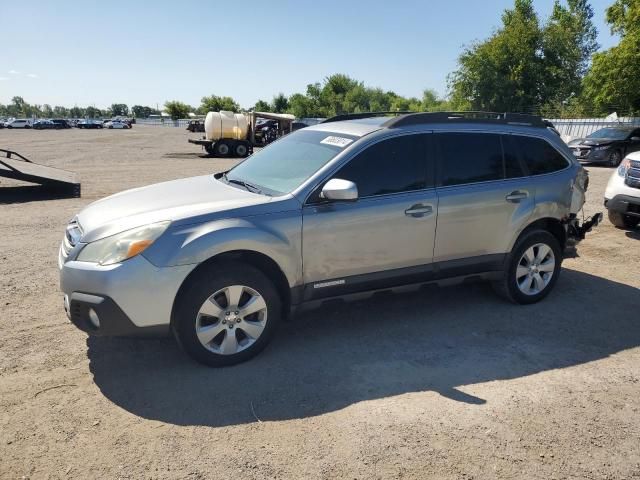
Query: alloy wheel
pixel 535 269
pixel 231 320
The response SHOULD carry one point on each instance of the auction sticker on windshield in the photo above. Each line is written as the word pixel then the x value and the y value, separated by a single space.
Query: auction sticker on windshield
pixel 337 141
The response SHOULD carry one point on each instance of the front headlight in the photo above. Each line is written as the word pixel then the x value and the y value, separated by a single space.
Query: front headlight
pixel 624 166
pixel 122 246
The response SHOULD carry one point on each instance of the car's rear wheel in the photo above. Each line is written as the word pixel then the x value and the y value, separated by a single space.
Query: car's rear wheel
pixel 614 158
pixel 532 268
pixel 226 314
pixel 621 220
pixel 241 150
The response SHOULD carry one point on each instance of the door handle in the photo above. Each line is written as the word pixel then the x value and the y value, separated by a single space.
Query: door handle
pixel 418 210
pixel 515 197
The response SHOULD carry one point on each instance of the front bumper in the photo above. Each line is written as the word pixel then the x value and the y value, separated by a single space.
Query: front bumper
pixel 130 298
pixel 590 155
pixel 101 316
pixel 625 204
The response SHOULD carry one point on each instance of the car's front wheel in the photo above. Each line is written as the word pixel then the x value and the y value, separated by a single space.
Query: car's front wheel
pixel 615 157
pixel 226 314
pixel 532 268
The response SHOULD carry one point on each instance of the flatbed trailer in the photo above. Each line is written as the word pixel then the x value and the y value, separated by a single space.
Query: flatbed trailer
pixel 15 166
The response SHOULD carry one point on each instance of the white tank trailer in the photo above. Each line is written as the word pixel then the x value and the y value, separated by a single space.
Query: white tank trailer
pixel 229 134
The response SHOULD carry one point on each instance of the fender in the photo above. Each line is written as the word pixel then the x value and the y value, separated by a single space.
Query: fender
pixel 278 236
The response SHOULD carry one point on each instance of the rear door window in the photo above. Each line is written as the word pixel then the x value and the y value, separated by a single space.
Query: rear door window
pixel 539 156
pixel 470 158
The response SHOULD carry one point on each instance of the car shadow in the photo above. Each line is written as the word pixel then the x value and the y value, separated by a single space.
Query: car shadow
pixel 30 193
pixel 436 339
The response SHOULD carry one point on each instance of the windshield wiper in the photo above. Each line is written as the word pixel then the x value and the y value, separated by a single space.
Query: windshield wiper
pixel 248 186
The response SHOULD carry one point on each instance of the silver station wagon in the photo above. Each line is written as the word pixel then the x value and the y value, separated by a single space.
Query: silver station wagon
pixel 356 204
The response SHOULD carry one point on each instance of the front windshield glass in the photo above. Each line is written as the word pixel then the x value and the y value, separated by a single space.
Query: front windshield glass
pixel 284 165
pixel 615 133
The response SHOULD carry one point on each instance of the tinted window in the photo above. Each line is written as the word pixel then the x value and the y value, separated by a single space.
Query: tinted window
pixel 390 166
pixel 512 165
pixel 539 156
pixel 470 158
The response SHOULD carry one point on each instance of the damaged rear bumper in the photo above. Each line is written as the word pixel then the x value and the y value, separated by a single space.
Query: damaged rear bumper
pixel 577 231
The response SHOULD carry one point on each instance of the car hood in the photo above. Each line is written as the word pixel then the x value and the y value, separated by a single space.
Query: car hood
pixel 591 142
pixel 174 200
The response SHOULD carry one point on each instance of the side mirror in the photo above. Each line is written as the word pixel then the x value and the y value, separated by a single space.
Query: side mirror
pixel 337 189
pixel 635 139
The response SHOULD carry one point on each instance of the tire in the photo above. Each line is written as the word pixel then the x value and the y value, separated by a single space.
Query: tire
pixel 623 221
pixel 241 150
pixel 543 248
pixel 201 314
pixel 222 149
pixel 614 158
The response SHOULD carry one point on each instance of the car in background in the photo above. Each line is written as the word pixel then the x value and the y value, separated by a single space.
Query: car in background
pixel 19 123
pixel 89 124
pixel 61 123
pixel 44 125
pixel 622 195
pixel 608 145
pixel 117 124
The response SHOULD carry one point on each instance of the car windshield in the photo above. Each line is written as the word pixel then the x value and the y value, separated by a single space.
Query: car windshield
pixel 284 165
pixel 615 133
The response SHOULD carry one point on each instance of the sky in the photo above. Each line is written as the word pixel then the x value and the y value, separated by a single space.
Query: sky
pixel 98 53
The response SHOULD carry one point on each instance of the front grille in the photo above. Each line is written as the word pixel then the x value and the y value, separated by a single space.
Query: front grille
pixel 632 178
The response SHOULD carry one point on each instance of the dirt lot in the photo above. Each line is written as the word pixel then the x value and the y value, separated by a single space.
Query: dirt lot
pixel 444 383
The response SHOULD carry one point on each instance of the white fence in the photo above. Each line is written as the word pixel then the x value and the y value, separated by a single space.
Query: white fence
pixel 571 128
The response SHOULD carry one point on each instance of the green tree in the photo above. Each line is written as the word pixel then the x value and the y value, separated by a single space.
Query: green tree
pixel 262 106
pixel 568 41
pixel 280 103
pixel 119 110
pixel 140 111
pixel 76 112
pixel 502 73
pixel 92 112
pixel 213 103
pixel 613 81
pixel 177 109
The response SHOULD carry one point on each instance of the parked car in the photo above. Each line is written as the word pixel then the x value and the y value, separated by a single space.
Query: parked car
pixel 44 125
pixel 61 123
pixel 195 126
pixel 343 207
pixel 89 124
pixel 607 145
pixel 622 195
pixel 117 124
pixel 19 123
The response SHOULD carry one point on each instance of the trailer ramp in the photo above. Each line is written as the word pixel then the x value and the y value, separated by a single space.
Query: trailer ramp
pixel 15 166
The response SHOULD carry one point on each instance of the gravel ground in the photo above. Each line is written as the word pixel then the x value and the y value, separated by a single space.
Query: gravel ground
pixel 446 383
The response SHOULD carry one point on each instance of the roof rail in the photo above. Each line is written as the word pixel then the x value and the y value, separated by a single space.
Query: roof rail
pixel 357 116
pixel 466 117
pixel 403 118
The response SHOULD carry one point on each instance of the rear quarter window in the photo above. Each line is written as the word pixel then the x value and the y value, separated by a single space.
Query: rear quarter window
pixel 539 156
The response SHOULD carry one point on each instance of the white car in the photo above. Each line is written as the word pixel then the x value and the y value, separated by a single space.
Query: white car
pixel 117 124
pixel 19 123
pixel 622 196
